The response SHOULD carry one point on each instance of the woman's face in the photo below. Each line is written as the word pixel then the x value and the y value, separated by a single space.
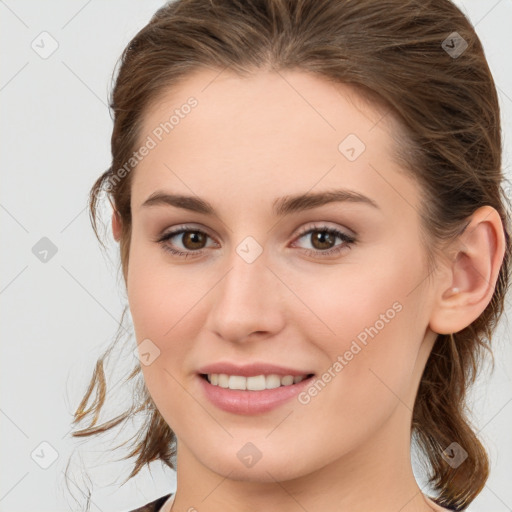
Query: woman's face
pixel 263 283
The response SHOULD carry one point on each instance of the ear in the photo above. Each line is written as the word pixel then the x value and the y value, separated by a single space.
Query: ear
pixel 116 225
pixel 466 289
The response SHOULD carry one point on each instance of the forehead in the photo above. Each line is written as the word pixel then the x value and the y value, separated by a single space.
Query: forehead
pixel 270 130
pixel 269 100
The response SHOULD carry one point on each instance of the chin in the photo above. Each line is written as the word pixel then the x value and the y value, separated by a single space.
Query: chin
pixel 280 467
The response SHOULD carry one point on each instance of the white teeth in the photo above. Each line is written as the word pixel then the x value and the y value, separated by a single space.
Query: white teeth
pixel 272 381
pixel 237 382
pixel 287 380
pixel 223 380
pixel 255 383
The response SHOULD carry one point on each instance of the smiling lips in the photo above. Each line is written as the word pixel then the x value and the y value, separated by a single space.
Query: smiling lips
pixel 251 389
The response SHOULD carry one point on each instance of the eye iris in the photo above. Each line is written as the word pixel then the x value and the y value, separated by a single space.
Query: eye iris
pixel 321 237
pixel 193 237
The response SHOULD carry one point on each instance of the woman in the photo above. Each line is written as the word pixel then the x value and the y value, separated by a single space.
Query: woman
pixel 316 249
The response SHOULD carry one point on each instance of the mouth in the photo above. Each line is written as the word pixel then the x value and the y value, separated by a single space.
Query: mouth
pixel 253 383
pixel 253 394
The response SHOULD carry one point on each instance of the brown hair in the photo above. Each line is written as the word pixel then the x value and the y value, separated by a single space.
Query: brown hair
pixel 448 108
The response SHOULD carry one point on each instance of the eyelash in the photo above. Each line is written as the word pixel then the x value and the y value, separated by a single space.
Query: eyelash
pixel 347 239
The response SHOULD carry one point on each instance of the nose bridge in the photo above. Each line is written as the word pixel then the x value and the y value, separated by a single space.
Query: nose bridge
pixel 247 298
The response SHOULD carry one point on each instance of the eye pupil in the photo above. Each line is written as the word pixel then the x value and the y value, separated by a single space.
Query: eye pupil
pixel 194 237
pixel 321 237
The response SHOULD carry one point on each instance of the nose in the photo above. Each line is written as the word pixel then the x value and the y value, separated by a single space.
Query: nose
pixel 248 303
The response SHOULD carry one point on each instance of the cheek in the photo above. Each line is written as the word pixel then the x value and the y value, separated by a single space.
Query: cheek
pixel 165 305
pixel 161 300
pixel 160 295
pixel 360 301
pixel 369 323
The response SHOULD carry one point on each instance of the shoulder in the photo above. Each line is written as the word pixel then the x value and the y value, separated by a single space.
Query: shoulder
pixel 153 506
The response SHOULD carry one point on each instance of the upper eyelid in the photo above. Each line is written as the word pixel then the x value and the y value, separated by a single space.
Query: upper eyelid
pixel 324 226
pixel 178 230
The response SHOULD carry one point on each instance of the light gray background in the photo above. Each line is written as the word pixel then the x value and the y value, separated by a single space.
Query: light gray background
pixel 58 315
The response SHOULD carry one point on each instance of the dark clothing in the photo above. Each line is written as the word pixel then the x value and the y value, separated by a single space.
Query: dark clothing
pixel 153 506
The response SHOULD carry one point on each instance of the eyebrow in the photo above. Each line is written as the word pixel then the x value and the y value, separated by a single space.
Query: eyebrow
pixel 280 207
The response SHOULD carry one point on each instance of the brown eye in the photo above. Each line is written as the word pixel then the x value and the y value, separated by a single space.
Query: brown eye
pixel 322 240
pixel 193 240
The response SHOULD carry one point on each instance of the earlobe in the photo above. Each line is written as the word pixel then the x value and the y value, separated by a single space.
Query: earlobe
pixel 473 274
pixel 116 225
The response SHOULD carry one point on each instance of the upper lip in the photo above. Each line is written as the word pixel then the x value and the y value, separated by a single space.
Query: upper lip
pixel 250 370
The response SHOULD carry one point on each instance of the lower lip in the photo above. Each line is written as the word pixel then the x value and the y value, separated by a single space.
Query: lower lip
pixel 251 402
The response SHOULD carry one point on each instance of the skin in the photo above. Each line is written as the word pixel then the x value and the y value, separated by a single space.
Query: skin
pixel 249 141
